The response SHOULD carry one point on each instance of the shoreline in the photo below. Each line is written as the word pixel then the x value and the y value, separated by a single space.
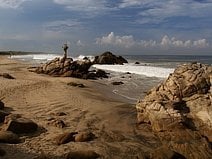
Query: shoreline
pixel 39 97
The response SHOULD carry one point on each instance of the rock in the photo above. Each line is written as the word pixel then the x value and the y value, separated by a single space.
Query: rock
pixel 1 105
pixel 181 106
pixel 165 153
pixel 185 92
pixel 137 63
pixel 60 114
pixel 2 152
pixel 3 114
pixel 76 84
pixel 109 58
pixel 8 76
pixel 20 125
pixel 84 136
pixel 65 138
pixel 117 83
pixel 57 123
pixel 101 74
pixel 9 137
pixel 82 155
pixel 65 67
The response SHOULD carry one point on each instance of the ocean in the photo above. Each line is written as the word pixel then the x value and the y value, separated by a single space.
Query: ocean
pixel 137 79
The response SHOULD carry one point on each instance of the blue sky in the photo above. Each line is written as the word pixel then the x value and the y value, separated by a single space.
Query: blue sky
pixel 120 26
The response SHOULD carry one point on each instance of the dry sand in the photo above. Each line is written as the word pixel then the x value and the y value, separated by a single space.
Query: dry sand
pixel 39 97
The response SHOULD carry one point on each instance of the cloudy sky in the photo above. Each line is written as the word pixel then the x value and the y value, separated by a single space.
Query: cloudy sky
pixel 120 26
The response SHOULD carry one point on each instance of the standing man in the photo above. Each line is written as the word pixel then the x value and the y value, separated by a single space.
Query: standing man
pixel 65 48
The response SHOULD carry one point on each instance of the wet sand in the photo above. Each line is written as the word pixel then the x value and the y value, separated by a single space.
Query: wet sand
pixel 40 97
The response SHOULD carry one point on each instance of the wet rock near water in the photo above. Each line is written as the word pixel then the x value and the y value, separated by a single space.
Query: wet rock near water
pixel 109 58
pixel 182 107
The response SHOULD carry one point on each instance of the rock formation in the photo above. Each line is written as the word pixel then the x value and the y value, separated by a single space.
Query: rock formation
pixel 180 110
pixel 109 58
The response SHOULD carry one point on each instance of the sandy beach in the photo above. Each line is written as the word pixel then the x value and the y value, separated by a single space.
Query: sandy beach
pixel 42 98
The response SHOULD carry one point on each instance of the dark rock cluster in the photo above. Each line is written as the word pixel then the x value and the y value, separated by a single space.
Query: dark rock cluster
pixel 109 58
pixel 66 67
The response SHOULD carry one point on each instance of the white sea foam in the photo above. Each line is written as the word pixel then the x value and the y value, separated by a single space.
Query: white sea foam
pixel 149 71
pixel 81 57
pixel 41 57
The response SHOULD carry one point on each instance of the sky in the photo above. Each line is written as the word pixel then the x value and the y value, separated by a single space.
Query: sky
pixel 125 27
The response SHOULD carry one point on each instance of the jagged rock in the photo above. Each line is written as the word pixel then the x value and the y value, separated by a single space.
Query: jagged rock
pixel 109 58
pixel 101 74
pixel 65 138
pixel 82 155
pixel 3 114
pixel 84 136
pixel 9 137
pixel 182 105
pixel 20 125
pixel 1 105
pixel 65 67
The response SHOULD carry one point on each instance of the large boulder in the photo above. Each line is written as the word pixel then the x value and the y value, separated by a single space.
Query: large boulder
pixel 109 58
pixel 181 106
pixel 65 68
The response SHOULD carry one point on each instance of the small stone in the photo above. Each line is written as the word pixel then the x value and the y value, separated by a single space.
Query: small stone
pixel 21 125
pixel 8 76
pixel 137 62
pixel 84 136
pixel 82 155
pixel 117 83
pixel 9 137
pixel 57 123
pixel 65 138
pixel 60 114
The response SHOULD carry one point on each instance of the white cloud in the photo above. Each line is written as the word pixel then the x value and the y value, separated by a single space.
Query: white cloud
pixel 128 41
pixel 11 3
pixel 62 25
pixel 94 6
pixel 79 43
pixel 111 39
pixel 155 11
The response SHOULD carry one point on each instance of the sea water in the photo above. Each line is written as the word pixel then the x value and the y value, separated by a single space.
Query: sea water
pixel 137 79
